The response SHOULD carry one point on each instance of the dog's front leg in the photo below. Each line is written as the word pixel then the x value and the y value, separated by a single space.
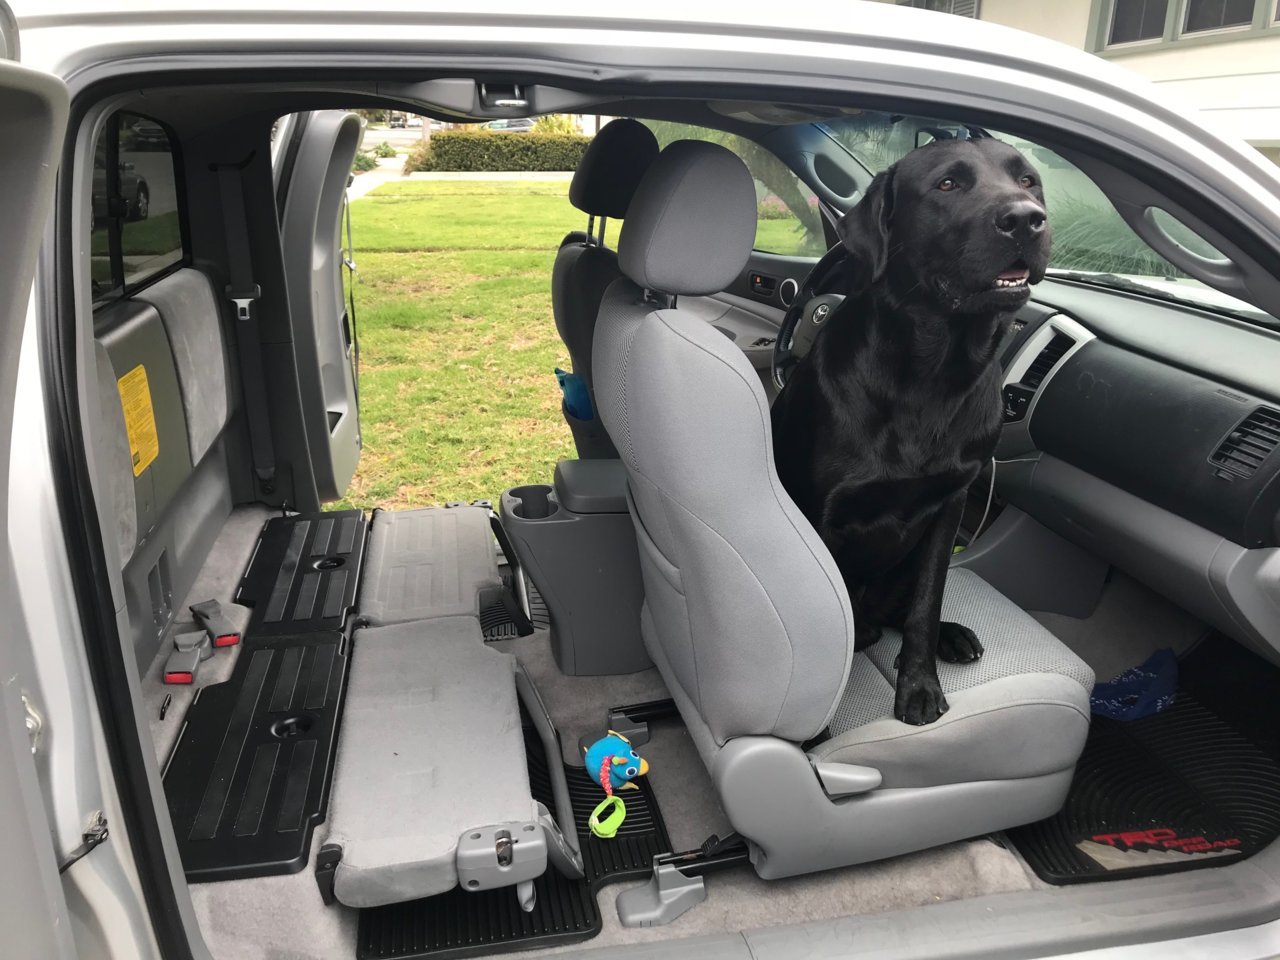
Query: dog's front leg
pixel 919 698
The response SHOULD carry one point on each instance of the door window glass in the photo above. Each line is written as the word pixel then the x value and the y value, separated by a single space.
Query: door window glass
pixel 136 221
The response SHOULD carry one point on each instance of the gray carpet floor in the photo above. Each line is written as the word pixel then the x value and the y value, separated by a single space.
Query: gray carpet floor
pixel 217 580
pixel 282 918
pixel 1129 624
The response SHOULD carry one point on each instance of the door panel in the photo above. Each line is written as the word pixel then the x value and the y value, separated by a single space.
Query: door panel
pixel 323 334
pixel 33 115
pixel 750 311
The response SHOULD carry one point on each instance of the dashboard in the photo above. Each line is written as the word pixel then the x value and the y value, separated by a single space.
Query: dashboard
pixel 1147 433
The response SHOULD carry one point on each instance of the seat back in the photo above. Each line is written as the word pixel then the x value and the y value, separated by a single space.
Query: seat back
pixel 160 359
pixel 602 187
pixel 746 614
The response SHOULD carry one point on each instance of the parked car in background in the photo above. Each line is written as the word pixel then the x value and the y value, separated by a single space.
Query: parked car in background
pixel 513 125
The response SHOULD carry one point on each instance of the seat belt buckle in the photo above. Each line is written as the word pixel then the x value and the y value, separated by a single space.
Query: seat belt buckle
pixel 189 649
pixel 243 299
pixel 220 630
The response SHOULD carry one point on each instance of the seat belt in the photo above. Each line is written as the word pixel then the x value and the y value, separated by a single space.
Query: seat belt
pixel 243 293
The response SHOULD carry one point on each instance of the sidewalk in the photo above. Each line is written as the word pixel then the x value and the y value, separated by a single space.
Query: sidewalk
pixel 392 168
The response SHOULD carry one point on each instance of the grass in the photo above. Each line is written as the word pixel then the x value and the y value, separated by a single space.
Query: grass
pixel 458 344
pixel 158 234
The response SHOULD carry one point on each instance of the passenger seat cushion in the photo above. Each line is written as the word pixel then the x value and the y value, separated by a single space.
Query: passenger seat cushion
pixel 431 746
pixel 422 564
pixel 186 303
pixel 1020 711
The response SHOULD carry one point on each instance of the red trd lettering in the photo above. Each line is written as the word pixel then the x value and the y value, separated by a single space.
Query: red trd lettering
pixel 1165 838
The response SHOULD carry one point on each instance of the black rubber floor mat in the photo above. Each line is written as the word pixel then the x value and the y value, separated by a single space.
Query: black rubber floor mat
pixel 496 622
pixel 304 573
pixel 459 924
pixel 1195 786
pixel 249 778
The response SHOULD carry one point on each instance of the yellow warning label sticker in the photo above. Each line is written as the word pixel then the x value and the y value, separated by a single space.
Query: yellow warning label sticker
pixel 139 418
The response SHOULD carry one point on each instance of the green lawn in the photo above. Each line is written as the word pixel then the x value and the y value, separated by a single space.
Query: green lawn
pixel 457 341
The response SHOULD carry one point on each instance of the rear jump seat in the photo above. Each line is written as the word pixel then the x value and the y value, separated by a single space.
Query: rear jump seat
pixel 422 564
pixel 431 778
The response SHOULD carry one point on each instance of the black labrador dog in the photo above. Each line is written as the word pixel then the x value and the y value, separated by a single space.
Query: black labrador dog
pixel 896 408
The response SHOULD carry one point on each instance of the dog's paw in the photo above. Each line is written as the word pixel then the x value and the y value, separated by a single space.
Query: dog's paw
pixel 958 644
pixel 919 700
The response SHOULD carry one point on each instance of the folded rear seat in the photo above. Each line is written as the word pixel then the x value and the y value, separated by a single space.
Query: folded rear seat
pixel 431 780
pixel 423 564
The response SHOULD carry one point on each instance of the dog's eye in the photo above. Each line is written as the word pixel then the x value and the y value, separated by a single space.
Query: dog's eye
pixel 1027 182
pixel 947 184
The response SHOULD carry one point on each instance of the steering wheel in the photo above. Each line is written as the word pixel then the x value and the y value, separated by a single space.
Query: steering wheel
pixel 814 302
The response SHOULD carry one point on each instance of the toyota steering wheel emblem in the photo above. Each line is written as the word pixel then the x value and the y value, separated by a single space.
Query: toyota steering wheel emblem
pixel 820 312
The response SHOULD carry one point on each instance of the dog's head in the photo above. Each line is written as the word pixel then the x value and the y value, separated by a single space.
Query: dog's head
pixel 959 222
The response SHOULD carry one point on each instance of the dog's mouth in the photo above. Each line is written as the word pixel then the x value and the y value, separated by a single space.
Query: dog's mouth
pixel 1016 276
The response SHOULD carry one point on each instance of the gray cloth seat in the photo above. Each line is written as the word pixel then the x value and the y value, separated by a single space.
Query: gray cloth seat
pixel 584 267
pixel 428 563
pixel 431 747
pixel 746 615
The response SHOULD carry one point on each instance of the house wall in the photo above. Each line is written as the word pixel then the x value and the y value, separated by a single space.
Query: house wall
pixel 1066 21
pixel 1236 84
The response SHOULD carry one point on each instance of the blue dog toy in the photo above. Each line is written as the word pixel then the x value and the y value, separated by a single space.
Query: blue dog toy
pixel 613 763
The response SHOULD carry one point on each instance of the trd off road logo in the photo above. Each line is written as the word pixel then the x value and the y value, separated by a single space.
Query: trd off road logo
pixel 1163 838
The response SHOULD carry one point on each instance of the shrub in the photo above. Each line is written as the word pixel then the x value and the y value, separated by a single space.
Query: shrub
pixel 363 162
pixel 492 151
pixel 384 150
pixel 556 123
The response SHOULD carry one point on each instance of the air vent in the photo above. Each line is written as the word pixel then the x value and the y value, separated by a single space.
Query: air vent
pixel 1250 443
pixel 1049 356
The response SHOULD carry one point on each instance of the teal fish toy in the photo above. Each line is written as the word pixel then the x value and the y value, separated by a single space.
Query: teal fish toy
pixel 612 763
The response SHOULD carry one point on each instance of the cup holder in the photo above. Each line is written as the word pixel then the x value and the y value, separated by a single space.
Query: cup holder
pixel 533 502
pixel 290 727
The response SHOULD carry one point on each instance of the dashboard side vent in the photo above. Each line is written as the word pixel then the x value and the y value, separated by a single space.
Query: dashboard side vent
pixel 1050 355
pixel 1250 443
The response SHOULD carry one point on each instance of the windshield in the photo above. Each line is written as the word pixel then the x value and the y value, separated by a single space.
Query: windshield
pixel 1091 242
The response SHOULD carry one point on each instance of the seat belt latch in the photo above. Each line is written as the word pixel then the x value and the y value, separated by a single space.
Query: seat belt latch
pixel 243 299
pixel 219 629
pixel 189 649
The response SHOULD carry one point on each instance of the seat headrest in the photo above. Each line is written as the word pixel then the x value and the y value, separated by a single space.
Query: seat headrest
pixel 692 222
pixel 611 168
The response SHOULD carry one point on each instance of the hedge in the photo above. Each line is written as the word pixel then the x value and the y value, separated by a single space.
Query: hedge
pixel 494 150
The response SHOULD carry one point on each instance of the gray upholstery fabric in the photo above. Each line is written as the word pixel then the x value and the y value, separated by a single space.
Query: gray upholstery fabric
pixel 115 462
pixel 186 303
pixel 427 563
pixel 745 604
pixel 431 746
pixel 1020 711
pixel 611 168
pixel 692 222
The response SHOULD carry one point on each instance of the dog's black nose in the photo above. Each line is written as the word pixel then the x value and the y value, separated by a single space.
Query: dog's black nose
pixel 1022 219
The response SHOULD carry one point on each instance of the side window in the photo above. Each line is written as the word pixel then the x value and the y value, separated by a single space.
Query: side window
pixel 137 230
pixel 788 220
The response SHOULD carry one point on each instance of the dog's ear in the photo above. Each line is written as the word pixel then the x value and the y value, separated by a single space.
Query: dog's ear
pixel 864 230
